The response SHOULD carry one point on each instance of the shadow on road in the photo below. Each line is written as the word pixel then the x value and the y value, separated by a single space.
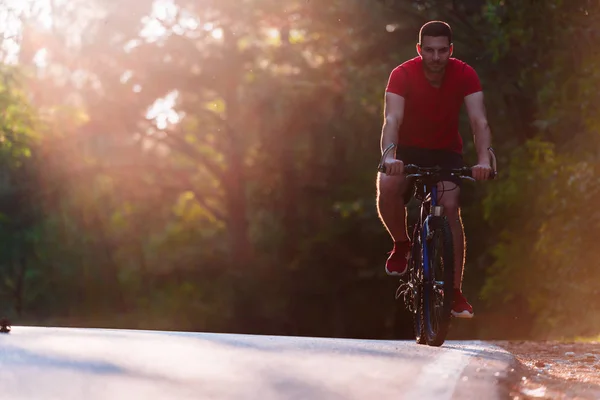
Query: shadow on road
pixel 278 344
pixel 12 356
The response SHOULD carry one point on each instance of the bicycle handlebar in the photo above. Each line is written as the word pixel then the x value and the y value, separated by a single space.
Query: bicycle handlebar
pixel 412 170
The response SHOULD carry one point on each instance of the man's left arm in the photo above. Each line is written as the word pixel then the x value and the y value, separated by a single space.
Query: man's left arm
pixel 481 134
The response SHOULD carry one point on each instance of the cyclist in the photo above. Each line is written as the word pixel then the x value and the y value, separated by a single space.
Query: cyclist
pixel 423 99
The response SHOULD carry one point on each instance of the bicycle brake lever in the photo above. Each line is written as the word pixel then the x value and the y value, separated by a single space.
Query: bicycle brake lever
pixel 381 167
pixel 494 163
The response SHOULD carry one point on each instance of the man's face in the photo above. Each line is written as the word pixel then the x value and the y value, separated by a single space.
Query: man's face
pixel 435 52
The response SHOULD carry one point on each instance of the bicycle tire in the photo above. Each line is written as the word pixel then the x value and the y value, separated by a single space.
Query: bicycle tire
pixel 436 325
pixel 417 280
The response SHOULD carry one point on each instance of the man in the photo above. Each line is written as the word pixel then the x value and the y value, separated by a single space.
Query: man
pixel 423 100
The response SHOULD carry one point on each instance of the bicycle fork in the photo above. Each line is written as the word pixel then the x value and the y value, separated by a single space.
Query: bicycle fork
pixel 435 211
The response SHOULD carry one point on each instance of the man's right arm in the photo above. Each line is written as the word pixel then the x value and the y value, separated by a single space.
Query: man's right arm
pixel 393 116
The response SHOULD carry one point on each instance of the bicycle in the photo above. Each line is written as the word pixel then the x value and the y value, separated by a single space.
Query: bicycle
pixel 428 291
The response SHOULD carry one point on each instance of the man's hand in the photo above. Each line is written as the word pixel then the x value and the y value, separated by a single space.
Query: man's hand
pixel 482 171
pixel 393 166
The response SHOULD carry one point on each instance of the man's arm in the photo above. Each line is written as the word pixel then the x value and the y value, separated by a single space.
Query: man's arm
pixel 481 134
pixel 393 115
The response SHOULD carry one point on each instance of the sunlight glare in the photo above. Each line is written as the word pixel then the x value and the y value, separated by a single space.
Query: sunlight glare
pixel 132 44
pixel 11 12
pixel 164 10
pixel 40 9
pixel 162 112
pixel 217 33
pixel 41 58
pixel 126 76
pixel 189 23
pixel 272 36
pixel 273 33
pixel 165 18
pixel 153 29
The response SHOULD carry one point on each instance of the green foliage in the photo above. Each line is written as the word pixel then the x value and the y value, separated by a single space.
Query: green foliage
pixel 543 211
pixel 16 119
pixel 19 229
pixel 546 248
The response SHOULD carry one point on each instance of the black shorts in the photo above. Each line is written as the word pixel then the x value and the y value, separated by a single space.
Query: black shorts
pixel 430 158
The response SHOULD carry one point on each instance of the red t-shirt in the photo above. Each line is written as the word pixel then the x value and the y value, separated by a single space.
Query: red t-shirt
pixel 431 114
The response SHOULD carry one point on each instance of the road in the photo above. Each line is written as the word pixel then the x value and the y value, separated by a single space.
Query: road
pixel 62 363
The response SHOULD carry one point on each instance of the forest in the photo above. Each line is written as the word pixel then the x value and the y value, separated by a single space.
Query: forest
pixel 210 165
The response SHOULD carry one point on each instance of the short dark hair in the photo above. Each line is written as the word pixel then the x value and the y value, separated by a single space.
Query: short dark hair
pixel 436 29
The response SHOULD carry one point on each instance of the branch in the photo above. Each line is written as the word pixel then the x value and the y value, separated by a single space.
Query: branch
pixel 179 144
pixel 180 184
pixel 183 183
pixel 200 198
pixel 212 116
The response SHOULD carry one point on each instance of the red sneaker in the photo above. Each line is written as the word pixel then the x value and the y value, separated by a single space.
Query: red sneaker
pixel 398 260
pixel 461 307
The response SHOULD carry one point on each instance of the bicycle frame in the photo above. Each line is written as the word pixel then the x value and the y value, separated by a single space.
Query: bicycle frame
pixel 429 203
pixel 434 209
pixel 429 208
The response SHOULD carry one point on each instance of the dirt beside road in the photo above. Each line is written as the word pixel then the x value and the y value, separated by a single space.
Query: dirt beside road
pixel 554 370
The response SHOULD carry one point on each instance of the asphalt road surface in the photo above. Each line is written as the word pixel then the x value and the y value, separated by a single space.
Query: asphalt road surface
pixel 66 364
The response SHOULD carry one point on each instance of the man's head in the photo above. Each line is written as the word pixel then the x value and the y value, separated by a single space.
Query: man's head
pixel 435 45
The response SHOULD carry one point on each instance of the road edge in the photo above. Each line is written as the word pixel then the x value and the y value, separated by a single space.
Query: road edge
pixel 496 377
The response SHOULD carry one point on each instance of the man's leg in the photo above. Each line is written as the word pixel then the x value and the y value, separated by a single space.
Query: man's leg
pixel 449 197
pixel 390 205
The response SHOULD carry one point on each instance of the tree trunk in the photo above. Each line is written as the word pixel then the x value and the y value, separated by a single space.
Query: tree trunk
pixel 237 219
pixel 234 177
pixel 20 284
pixel 289 176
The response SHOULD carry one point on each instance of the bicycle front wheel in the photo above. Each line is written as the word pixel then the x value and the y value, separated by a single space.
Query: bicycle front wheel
pixel 416 277
pixel 438 280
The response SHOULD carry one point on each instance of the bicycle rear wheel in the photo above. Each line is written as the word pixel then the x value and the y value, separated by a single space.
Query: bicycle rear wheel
pixel 438 281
